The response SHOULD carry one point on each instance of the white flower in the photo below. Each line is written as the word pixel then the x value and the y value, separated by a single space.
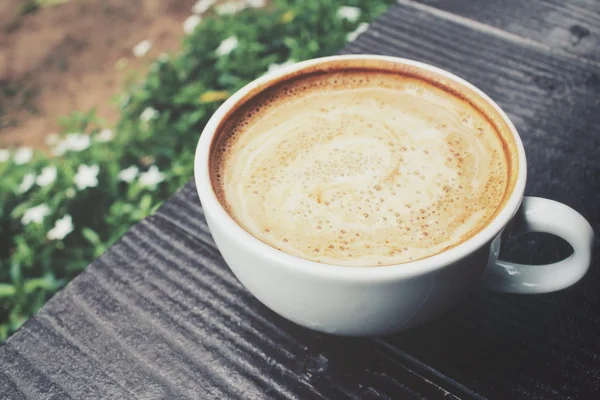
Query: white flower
pixel 256 3
pixel 87 176
pixel 349 13
pixel 105 135
pixel 72 142
pixel 52 139
pixel 128 174
pixel 232 7
pixel 47 176
pixel 70 193
pixel 191 23
pixel 142 48
pixel 77 141
pixel 275 66
pixel 152 177
pixel 148 114
pixel 4 155
pixel 23 155
pixel 227 46
pixel 60 149
pixel 360 29
pixel 61 228
pixel 202 6
pixel 27 183
pixel 35 214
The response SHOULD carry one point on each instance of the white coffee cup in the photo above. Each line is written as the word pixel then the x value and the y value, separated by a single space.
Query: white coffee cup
pixel 362 301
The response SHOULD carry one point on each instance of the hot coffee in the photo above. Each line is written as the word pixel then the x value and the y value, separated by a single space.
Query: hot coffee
pixel 361 167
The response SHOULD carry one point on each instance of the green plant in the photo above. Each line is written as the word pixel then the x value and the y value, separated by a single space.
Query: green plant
pixel 59 213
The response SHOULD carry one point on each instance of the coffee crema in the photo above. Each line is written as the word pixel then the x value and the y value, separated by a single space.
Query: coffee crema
pixel 360 167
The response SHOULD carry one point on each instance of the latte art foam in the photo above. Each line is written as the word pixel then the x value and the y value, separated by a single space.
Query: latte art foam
pixel 360 168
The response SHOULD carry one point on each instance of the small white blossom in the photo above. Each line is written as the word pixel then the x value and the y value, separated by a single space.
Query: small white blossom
pixel 35 214
pixel 227 46
pixel 61 228
pixel 47 176
pixel 152 177
pixel 202 6
pixel 148 114
pixel 142 48
pixel 26 183
pixel 128 174
pixel 23 155
pixel 232 7
pixel 52 139
pixel 256 3
pixel 70 193
pixel 60 149
pixel 72 142
pixel 105 135
pixel 77 141
pixel 360 29
pixel 4 155
pixel 349 13
pixel 275 66
pixel 87 176
pixel 191 23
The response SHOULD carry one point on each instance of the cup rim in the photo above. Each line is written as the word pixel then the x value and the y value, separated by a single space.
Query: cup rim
pixel 234 232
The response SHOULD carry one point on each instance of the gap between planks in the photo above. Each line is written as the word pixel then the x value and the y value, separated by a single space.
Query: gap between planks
pixel 492 30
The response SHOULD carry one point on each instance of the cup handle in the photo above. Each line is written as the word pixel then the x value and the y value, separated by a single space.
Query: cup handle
pixel 543 215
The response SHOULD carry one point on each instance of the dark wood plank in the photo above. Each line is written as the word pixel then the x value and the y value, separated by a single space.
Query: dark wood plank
pixel 161 316
pixel 516 346
pixel 569 25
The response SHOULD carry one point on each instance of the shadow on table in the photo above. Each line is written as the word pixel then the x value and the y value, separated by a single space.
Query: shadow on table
pixel 495 345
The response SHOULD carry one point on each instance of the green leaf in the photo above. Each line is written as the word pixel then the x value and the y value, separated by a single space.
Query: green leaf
pixel 38 283
pixel 3 332
pixel 91 236
pixel 155 207
pixel 146 202
pixel 19 210
pixel 47 283
pixel 24 253
pixel 7 290
pixel 15 272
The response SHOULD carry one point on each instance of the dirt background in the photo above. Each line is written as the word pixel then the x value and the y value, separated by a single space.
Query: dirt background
pixel 75 56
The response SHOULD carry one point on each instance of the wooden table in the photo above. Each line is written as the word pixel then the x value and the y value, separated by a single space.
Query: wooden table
pixel 160 315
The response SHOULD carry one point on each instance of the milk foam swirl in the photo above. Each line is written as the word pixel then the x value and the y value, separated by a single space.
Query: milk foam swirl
pixel 361 169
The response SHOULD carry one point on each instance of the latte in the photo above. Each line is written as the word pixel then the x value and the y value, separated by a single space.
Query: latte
pixel 360 167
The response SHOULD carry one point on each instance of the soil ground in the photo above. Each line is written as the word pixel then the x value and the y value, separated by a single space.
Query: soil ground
pixel 75 56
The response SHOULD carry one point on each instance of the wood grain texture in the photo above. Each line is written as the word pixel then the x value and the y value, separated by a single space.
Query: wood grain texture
pixel 509 346
pixel 160 315
pixel 569 25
